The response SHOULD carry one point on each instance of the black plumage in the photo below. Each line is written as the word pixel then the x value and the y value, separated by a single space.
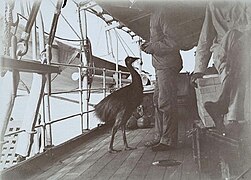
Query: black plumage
pixel 118 107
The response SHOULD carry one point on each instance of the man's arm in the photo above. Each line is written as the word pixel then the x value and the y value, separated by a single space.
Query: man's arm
pixel 207 36
pixel 203 53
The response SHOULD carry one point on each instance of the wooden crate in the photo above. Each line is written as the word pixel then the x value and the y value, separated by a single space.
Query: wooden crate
pixel 209 88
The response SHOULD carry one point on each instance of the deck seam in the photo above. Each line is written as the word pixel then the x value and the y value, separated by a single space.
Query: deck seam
pixel 118 142
pixel 127 155
pixel 148 133
pixel 102 144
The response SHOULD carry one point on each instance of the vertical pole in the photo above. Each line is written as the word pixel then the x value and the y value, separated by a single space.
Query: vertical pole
pixel 84 62
pixel 45 102
pixel 104 82
pixel 48 76
pixel 44 126
pixel 117 62
pixel 120 79
pixel 140 56
pixel 80 86
pixel 198 151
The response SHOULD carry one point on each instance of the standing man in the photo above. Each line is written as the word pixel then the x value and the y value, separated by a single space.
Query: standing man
pixel 167 62
pixel 226 33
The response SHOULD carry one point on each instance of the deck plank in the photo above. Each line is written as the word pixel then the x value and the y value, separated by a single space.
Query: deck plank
pixel 175 155
pixel 127 166
pixel 189 171
pixel 81 157
pixel 157 172
pixel 78 156
pixel 101 161
pixel 92 160
pixel 74 156
pixel 141 169
pixel 115 164
pixel 175 172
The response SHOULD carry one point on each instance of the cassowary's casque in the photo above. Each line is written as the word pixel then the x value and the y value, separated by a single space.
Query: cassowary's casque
pixel 118 107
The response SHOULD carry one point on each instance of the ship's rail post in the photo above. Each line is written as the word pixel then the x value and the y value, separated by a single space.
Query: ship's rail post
pixel 104 82
pixel 48 47
pixel 80 84
pixel 84 62
pixel 120 79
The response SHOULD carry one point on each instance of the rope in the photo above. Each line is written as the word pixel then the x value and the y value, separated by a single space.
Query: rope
pixel 116 33
pixel 67 22
pixel 99 35
pixel 8 20
pixel 110 39
pixel 80 25
pixel 58 37
pixel 54 24
pixel 125 44
pixel 32 16
pixel 25 86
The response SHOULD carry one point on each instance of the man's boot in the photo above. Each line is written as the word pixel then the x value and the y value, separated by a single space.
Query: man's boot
pixel 217 114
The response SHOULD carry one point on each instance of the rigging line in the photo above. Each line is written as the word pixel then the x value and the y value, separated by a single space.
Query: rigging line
pixel 107 43
pixel 116 33
pixel 99 35
pixel 126 44
pixel 104 55
pixel 67 21
pixel 58 37
pixel 80 24
pixel 117 43
pixel 110 39
pixel 25 86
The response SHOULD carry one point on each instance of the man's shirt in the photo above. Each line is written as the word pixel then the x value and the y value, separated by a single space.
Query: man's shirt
pixel 220 17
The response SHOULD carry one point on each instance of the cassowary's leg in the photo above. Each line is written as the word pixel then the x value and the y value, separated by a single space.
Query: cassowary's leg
pixel 114 131
pixel 126 147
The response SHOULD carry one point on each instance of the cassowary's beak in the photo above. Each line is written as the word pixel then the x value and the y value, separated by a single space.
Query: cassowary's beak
pixel 134 59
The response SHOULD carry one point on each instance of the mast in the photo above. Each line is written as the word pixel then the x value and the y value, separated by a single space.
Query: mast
pixel 83 82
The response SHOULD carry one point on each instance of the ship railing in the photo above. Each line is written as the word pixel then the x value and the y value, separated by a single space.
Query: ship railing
pixel 44 125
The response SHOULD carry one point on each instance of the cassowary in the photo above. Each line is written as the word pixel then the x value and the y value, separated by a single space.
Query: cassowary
pixel 118 107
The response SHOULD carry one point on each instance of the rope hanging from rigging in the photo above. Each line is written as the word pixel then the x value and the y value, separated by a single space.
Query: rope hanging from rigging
pixel 23 43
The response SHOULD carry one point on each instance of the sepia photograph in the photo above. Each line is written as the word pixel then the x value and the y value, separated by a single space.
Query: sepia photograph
pixel 125 89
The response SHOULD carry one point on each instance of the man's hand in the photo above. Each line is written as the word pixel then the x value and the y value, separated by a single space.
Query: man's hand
pixel 146 47
pixel 194 77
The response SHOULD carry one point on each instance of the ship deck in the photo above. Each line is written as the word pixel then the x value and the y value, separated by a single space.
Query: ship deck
pixel 89 159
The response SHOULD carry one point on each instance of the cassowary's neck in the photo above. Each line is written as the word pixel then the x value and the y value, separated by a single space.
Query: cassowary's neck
pixel 136 79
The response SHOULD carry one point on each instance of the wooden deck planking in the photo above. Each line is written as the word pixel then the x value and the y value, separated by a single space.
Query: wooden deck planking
pixel 73 160
pixel 70 159
pixel 189 168
pixel 115 165
pixel 157 172
pixel 141 169
pixel 128 165
pixel 173 172
pixel 107 158
pixel 92 158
